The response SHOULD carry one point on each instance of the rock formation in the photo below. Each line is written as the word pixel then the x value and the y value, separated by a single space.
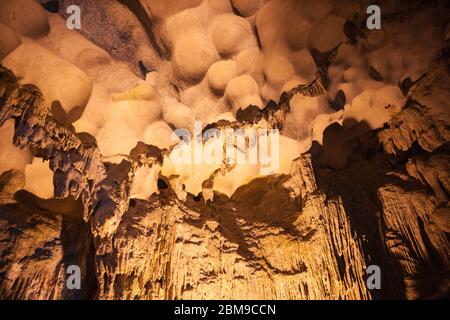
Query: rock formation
pixel 364 124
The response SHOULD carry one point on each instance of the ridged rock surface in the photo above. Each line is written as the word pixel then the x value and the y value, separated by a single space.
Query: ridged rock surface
pixel 307 234
pixel 277 238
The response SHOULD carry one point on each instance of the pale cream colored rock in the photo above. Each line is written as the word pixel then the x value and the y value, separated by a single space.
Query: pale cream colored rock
pixel 278 69
pixel 250 61
pixel 242 92
pixel 159 134
pixel 178 115
pixel 39 66
pixel 39 179
pixel 232 34
pixel 9 41
pixel 304 64
pixel 11 157
pixel 247 8
pixel 221 73
pixel 193 55
pixel 161 10
pixel 144 182
pixel 26 17
pixel 143 91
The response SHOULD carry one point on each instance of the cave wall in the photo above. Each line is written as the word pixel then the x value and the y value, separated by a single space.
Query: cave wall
pixel 308 233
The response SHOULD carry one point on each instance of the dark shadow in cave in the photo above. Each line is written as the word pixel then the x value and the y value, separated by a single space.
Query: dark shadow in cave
pixel 78 249
pixel 76 240
pixel 365 169
pixel 66 207
pixel 65 118
pixel 251 206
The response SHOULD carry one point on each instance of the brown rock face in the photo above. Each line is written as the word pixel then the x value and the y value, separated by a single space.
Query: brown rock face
pixel 302 248
pixel 291 237
pixel 308 234
pixel 37 247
